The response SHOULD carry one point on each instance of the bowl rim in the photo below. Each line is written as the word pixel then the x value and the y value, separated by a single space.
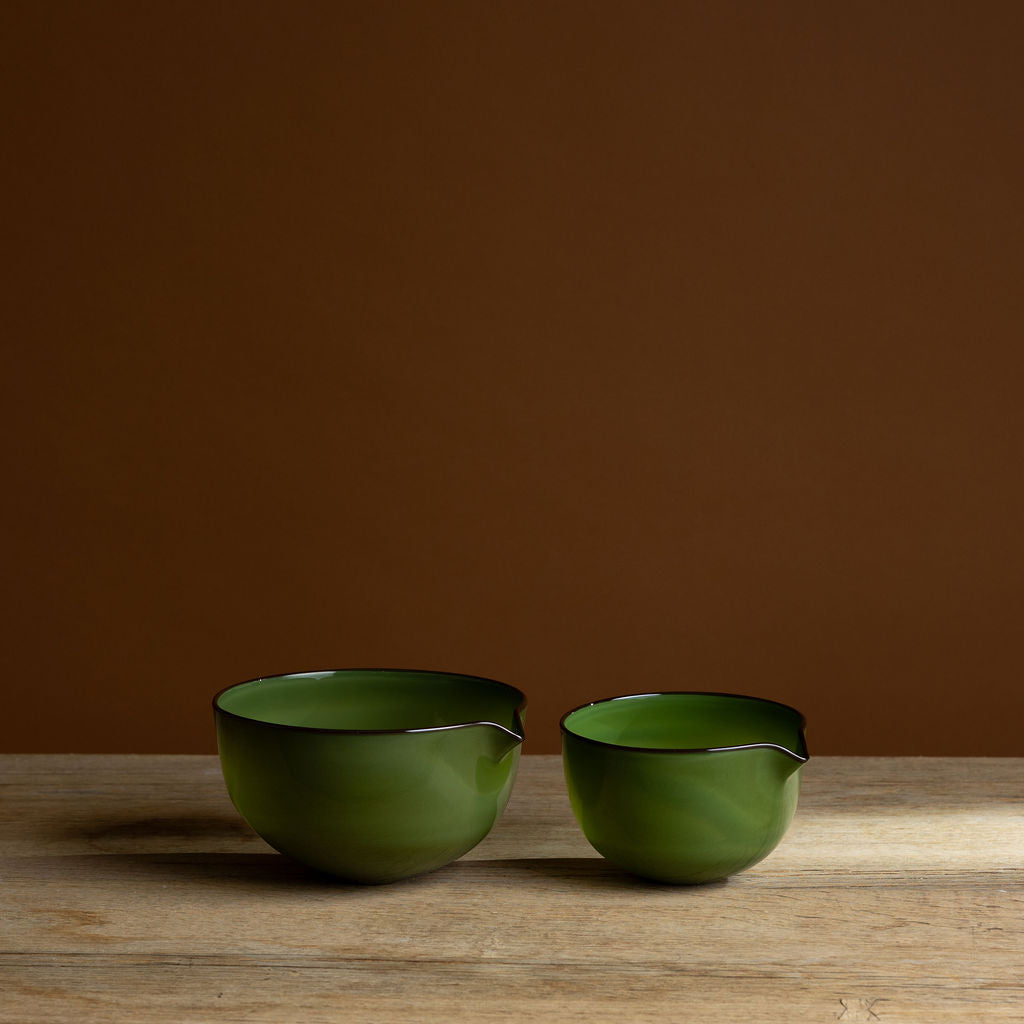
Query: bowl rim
pixel 519 732
pixel 799 755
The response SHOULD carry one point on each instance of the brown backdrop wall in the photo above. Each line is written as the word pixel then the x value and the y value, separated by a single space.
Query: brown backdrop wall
pixel 595 347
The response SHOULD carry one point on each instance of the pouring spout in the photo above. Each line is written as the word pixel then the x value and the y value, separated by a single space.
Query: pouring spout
pixel 505 740
pixel 793 758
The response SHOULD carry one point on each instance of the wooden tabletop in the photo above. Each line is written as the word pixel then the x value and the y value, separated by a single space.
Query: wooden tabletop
pixel 130 890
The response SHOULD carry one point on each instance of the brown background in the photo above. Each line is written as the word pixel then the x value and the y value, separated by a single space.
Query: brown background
pixel 595 347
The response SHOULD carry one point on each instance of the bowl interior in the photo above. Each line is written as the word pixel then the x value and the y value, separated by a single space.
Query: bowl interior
pixel 688 721
pixel 373 700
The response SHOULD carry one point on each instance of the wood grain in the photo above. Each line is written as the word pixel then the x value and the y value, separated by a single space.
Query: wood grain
pixel 131 891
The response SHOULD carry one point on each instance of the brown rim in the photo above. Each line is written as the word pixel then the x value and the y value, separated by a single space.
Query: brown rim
pixel 801 756
pixel 518 732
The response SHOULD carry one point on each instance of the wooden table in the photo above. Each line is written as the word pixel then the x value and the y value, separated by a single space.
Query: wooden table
pixel 131 891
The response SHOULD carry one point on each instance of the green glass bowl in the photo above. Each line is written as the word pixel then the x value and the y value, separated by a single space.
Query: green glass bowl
pixel 370 774
pixel 683 787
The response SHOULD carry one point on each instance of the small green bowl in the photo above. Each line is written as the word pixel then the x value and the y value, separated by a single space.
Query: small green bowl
pixel 370 774
pixel 683 787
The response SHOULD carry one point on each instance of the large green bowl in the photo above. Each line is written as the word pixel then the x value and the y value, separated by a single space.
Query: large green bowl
pixel 370 774
pixel 683 787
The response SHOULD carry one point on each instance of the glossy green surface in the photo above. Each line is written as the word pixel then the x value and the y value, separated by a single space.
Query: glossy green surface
pixel 370 775
pixel 655 792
